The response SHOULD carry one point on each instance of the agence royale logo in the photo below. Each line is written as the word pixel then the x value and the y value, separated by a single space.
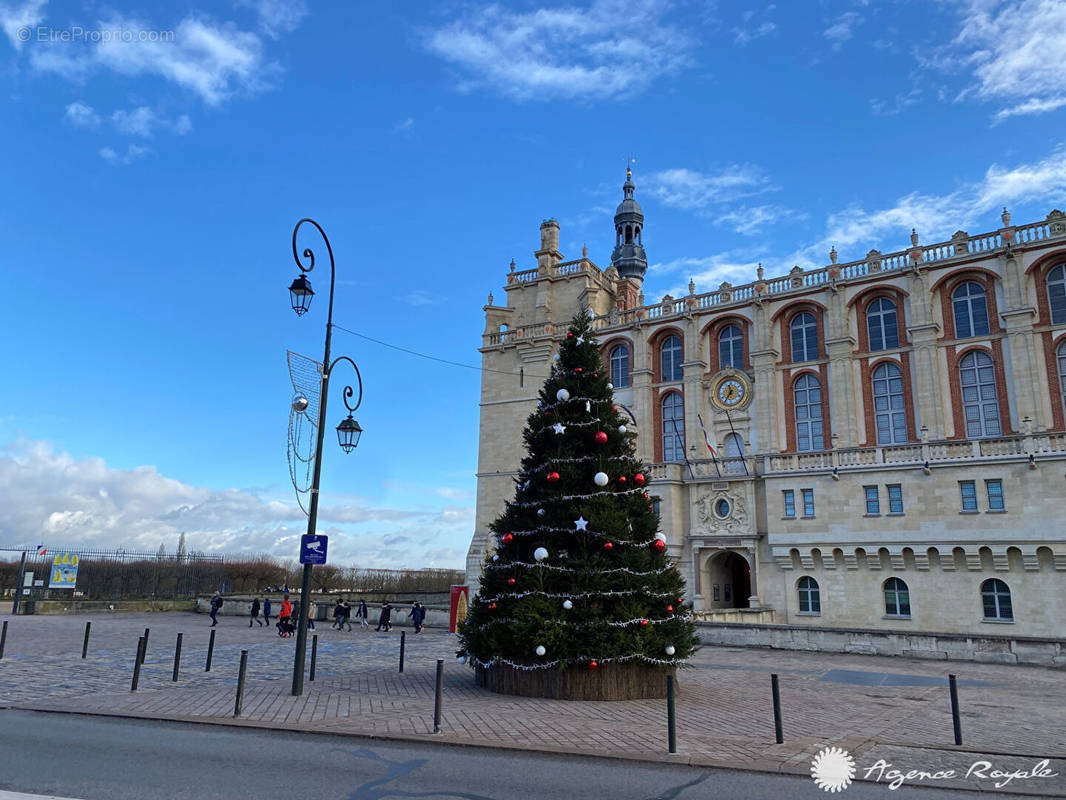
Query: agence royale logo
pixel 833 769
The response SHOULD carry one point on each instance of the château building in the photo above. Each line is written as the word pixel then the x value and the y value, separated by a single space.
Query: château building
pixel 889 434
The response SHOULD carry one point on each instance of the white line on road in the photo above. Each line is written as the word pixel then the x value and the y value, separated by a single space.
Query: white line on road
pixel 20 796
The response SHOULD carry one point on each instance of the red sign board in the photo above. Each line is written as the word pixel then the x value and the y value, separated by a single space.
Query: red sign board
pixel 460 600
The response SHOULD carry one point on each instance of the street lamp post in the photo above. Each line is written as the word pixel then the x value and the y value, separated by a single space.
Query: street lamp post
pixel 348 431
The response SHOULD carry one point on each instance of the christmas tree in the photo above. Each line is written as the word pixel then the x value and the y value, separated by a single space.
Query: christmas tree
pixel 580 580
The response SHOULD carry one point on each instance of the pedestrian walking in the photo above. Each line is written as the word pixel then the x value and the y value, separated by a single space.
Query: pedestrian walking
pixel 312 611
pixel 417 615
pixel 255 613
pixel 346 614
pixel 216 604
pixel 336 614
pixel 266 611
pixel 385 620
pixel 362 613
pixel 285 617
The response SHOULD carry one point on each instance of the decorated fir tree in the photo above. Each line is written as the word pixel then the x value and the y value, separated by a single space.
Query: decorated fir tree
pixel 579 598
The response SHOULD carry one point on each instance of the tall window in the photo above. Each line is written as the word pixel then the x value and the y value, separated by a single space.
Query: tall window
pixel 1056 294
pixel 980 406
pixel 673 427
pixel 995 597
pixel 789 497
pixel 807 393
pixel 809 601
pixel 731 347
pixel 889 415
pixel 804 337
pixel 734 452
pixel 895 498
pixel 897 598
pixel 808 502
pixel 881 324
pixel 968 491
pixel 671 358
pixel 1062 373
pixel 995 495
pixel 620 366
pixel 971 310
pixel 873 500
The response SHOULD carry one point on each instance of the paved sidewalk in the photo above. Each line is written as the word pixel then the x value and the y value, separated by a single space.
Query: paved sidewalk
pixel 892 709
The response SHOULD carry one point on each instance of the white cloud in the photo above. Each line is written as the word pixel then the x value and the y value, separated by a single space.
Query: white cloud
pixel 1014 51
pixel 694 191
pixel 843 28
pixel 735 266
pixel 142 121
pixel 277 16
pixel 133 153
pixel 81 115
pixel 211 59
pixel 753 27
pixel 404 128
pixel 16 18
pixel 54 498
pixel 883 108
pixel 420 297
pixel 750 220
pixel 603 50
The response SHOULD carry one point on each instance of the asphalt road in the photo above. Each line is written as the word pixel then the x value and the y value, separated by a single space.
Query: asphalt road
pixel 96 758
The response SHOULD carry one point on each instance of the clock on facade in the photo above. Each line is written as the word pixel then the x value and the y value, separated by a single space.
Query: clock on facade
pixel 730 390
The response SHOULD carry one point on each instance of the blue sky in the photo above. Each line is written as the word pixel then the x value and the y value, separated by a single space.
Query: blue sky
pixel 158 155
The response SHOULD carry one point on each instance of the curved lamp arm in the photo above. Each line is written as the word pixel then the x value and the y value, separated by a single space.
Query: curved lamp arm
pixel 348 391
pixel 309 254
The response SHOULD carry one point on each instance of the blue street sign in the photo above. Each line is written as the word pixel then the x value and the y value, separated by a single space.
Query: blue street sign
pixel 313 549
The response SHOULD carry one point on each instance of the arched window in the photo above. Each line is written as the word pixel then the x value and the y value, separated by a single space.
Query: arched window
pixel 897 598
pixel 971 310
pixel 889 411
pixel 671 358
pixel 620 366
pixel 1056 294
pixel 1062 373
pixel 731 348
pixel 804 337
pixel 807 393
pixel 881 325
pixel 980 405
pixel 995 597
pixel 809 600
pixel 673 427
pixel 734 451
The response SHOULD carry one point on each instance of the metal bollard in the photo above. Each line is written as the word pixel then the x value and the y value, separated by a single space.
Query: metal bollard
pixel 177 658
pixel 403 643
pixel 210 651
pixel 314 655
pixel 240 684
pixel 778 733
pixel 85 643
pixel 144 652
pixel 671 717
pixel 440 692
pixel 3 638
pixel 137 661
pixel 956 723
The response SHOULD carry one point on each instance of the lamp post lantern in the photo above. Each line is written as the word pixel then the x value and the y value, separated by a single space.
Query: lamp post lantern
pixel 348 431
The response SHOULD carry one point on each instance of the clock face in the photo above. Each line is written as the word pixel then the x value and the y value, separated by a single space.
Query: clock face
pixel 731 392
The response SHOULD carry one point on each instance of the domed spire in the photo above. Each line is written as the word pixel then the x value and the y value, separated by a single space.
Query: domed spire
pixel 628 256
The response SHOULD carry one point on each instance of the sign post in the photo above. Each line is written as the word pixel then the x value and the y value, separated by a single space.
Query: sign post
pixel 313 548
pixel 64 573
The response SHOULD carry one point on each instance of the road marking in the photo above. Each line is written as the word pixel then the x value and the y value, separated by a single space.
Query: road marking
pixel 20 796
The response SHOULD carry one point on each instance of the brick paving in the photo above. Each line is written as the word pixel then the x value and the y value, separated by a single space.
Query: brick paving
pixel 893 709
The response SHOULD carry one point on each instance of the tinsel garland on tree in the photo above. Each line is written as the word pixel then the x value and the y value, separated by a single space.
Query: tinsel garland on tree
pixel 580 575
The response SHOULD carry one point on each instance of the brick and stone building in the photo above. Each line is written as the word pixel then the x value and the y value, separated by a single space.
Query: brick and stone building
pixel 889 433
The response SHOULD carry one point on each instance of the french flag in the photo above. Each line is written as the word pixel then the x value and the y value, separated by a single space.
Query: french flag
pixel 706 439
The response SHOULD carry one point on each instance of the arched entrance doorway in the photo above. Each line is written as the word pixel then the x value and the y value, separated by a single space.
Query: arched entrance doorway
pixel 729 580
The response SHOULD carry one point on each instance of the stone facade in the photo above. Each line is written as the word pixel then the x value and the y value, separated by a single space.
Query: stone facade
pixel 890 433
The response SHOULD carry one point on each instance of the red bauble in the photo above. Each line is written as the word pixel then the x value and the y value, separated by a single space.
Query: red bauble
pixel 510 581
pixel 638 479
pixel 492 606
pixel 600 437
pixel 643 622
pixel 508 538
pixel 670 609
pixel 645 495
pixel 681 599
pixel 593 665
pixel 608 546
pixel 553 477
pixel 569 334
pixel 621 478
pixel 614 408
pixel 595 374
pixel 578 369
pixel 659 545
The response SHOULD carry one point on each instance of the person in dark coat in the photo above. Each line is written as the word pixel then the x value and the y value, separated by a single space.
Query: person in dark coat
pixel 385 620
pixel 362 613
pixel 266 611
pixel 255 613
pixel 417 615
pixel 216 604
pixel 336 614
